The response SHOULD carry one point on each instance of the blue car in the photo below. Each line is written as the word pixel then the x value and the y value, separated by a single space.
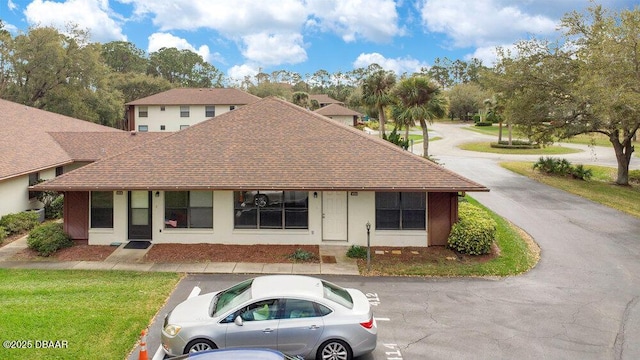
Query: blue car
pixel 236 354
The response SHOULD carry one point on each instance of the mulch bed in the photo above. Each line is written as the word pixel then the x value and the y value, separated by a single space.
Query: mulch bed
pixel 80 251
pixel 228 253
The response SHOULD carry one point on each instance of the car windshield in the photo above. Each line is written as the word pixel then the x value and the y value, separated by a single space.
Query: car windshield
pixel 227 299
pixel 337 294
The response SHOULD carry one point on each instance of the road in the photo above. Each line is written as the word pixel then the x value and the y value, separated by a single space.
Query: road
pixel 580 302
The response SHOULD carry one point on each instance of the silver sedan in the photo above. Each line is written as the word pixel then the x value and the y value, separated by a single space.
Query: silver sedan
pixel 297 315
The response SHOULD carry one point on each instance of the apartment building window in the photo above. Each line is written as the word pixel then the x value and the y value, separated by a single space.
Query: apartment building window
pixel 34 178
pixel 162 108
pixel 162 127
pixel 271 210
pixel 209 111
pixel 184 111
pixel 188 209
pixel 232 107
pixel 143 111
pixel 401 210
pixel 102 209
pixel 143 128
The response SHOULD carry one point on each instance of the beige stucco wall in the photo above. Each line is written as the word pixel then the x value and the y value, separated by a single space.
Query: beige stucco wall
pixel 171 119
pixel 361 209
pixel 346 120
pixel 14 193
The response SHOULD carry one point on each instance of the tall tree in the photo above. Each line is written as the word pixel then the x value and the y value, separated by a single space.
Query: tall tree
pixel 184 68
pixel 60 73
pixel 376 92
pixel 589 84
pixel 124 57
pixel 420 99
pixel 465 99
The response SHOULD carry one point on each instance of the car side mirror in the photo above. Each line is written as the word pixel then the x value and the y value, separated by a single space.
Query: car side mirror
pixel 238 321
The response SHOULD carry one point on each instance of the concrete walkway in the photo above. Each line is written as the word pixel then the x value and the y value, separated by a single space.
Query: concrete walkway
pixel 131 259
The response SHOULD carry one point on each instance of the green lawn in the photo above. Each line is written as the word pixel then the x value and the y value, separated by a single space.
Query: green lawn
pixel 99 314
pixel 600 188
pixel 486 147
pixel 517 255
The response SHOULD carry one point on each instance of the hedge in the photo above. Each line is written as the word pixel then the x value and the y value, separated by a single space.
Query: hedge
pixel 474 232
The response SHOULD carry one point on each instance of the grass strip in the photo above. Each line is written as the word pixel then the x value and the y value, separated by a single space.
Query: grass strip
pixel 98 314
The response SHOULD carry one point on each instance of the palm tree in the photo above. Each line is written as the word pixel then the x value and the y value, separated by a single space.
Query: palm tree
pixel 420 99
pixel 376 92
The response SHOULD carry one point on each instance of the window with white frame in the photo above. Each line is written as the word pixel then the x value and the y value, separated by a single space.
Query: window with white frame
pixel 184 111
pixel 143 111
pixel 271 209
pixel 143 128
pixel 401 210
pixel 188 209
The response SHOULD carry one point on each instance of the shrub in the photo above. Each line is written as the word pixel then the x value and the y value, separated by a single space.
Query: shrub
pixel 55 209
pixel 579 172
pixel 3 234
pixel 484 123
pixel 302 255
pixel 474 232
pixel 357 252
pixel 476 118
pixel 48 238
pixel 19 222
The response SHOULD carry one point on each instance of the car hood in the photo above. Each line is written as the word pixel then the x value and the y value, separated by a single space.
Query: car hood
pixel 193 309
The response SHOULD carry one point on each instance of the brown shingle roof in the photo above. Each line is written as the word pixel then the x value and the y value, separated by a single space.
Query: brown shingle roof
pixel 26 145
pixel 97 145
pixel 270 144
pixel 337 110
pixel 202 96
pixel 324 99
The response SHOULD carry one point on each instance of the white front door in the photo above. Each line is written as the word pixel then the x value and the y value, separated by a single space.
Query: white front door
pixel 334 215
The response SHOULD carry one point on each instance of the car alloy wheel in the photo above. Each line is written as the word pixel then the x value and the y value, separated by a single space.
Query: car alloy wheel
pixel 334 350
pixel 199 345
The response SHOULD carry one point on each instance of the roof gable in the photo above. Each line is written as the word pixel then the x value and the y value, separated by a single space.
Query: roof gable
pixel 27 146
pixel 198 96
pixel 270 144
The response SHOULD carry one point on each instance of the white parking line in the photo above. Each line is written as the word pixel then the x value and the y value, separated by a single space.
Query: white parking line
pixel 159 355
pixel 382 319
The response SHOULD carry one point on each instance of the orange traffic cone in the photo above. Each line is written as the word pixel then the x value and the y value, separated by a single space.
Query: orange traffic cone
pixel 143 347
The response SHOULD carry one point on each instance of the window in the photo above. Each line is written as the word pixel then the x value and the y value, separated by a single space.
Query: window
pixel 182 127
pixel 401 211
pixel 162 127
pixel 209 111
pixel 297 309
pixel 162 108
pixel 143 111
pixel 184 111
pixel 34 178
pixel 102 209
pixel 59 171
pixel 188 209
pixel 259 311
pixel 271 209
pixel 232 107
pixel 143 128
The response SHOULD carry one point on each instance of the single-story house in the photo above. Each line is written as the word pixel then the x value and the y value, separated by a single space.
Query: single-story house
pixel 176 109
pixel 31 150
pixel 324 100
pixel 269 172
pixel 340 114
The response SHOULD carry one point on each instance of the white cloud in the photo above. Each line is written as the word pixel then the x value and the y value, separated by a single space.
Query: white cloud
pixel 484 22
pixel 160 40
pixel 398 65
pixel 373 20
pixel 11 5
pixel 274 49
pixel 488 54
pixel 237 73
pixel 94 15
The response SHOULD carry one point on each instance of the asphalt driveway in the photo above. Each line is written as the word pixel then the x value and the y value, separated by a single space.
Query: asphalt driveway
pixel 581 301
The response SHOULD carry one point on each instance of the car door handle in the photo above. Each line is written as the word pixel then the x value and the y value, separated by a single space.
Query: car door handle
pixel 314 327
pixel 267 330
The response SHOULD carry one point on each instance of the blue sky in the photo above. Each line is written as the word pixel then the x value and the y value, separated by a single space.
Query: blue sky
pixel 240 37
